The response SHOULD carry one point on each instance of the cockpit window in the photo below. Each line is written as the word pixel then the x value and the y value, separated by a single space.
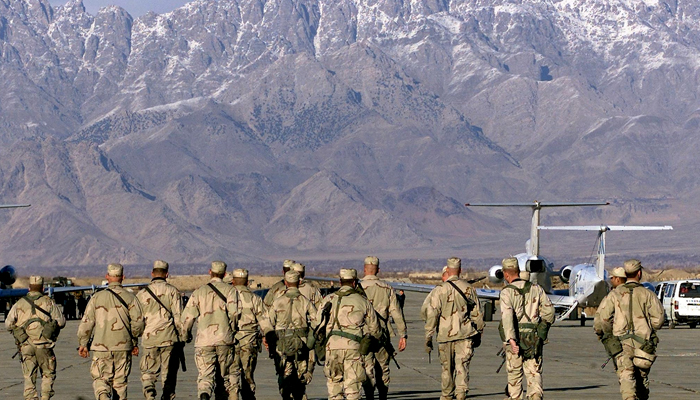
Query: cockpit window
pixel 689 289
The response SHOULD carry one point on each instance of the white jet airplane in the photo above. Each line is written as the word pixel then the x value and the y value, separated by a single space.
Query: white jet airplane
pixel 588 282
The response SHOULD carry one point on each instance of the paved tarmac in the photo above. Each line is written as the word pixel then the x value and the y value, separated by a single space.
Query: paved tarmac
pixel 571 368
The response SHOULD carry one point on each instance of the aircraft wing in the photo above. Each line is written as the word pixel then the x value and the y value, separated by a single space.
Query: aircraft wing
pixel 16 293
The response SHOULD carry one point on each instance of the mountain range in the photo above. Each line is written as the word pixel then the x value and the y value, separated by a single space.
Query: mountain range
pixel 253 131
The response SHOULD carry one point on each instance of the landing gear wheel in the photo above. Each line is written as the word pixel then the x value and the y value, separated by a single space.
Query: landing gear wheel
pixel 693 325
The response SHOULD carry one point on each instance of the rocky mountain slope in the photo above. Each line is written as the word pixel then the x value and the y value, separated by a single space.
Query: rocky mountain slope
pixel 251 130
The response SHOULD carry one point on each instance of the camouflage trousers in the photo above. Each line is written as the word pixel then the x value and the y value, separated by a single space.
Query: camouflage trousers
pixel 110 372
pixel 634 382
pixel 517 367
pixel 35 359
pixel 345 373
pixel 157 362
pixel 455 357
pixel 377 370
pixel 292 376
pixel 209 360
pixel 245 360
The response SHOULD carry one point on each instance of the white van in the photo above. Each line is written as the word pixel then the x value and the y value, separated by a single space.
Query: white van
pixel 681 300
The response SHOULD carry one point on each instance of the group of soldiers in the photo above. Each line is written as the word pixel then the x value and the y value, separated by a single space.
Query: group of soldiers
pixel 348 331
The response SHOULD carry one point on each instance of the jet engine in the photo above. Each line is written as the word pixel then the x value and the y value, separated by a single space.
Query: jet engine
pixel 496 274
pixel 8 276
pixel 565 273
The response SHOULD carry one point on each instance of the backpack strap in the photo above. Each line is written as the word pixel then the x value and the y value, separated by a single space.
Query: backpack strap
pixel 223 298
pixel 630 323
pixel 160 303
pixel 126 308
pixel 470 302
pixel 35 307
pixel 523 292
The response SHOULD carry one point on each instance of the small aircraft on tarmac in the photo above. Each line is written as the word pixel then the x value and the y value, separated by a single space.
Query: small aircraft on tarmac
pixel 588 282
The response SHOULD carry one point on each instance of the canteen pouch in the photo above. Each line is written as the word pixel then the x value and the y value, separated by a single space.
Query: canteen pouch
pixel 612 344
pixel 20 335
pixel 642 359
pixel 366 344
pixel 543 330
pixel 530 344
pixel 51 330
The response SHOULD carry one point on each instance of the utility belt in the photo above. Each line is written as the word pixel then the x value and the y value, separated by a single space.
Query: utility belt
pixel 290 342
pixel 367 342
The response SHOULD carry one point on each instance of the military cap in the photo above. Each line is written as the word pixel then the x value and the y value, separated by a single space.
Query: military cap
pixel 454 263
pixel 510 263
pixel 348 273
pixel 115 270
pixel 300 268
pixel 291 276
pixel 444 269
pixel 632 266
pixel 371 260
pixel 228 278
pixel 240 273
pixel 36 280
pixel 160 264
pixel 218 267
pixel 618 272
pixel 288 263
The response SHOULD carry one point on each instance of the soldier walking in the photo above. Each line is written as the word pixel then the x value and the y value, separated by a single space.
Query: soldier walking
pixel 110 328
pixel 35 322
pixel 352 325
pixel 453 310
pixel 526 315
pixel 292 316
pixel 385 303
pixel 311 292
pixel 215 307
pixel 279 287
pixel 251 324
pixel 627 320
pixel 162 344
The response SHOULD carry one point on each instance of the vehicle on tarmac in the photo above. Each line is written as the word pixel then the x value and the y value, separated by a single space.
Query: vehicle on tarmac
pixel 681 301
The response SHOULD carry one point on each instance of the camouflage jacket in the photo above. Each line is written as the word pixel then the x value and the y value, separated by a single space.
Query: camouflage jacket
pixel 275 291
pixel 253 317
pixel 446 312
pixel 613 312
pixel 161 329
pixel 216 320
pixel 536 306
pixel 383 299
pixel 355 317
pixel 311 292
pixel 21 312
pixel 112 327
pixel 292 310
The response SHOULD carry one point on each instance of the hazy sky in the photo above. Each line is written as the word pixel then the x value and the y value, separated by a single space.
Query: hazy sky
pixel 134 7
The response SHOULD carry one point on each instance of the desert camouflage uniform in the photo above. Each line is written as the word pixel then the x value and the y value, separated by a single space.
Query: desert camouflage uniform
pixel 647 317
pixel 216 327
pixel 311 292
pixel 537 307
pixel 446 312
pixel 275 291
pixel 160 335
pixel 252 322
pixel 384 301
pixel 292 314
pixel 344 367
pixel 115 333
pixel 37 351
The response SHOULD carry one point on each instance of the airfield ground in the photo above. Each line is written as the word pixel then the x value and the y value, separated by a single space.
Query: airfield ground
pixel 571 369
